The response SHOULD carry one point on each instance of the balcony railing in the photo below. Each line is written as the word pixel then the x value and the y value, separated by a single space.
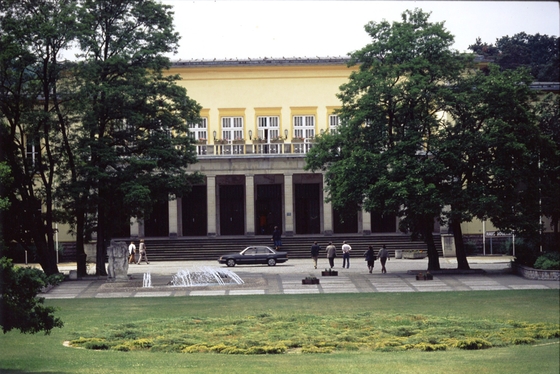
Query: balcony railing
pixel 254 148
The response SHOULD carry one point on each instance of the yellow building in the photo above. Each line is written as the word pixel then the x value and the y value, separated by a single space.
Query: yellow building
pixel 259 119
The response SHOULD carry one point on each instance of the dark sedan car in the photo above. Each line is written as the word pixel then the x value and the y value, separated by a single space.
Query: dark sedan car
pixel 254 255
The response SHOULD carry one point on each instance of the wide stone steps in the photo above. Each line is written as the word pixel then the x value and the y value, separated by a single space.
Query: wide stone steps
pixel 208 248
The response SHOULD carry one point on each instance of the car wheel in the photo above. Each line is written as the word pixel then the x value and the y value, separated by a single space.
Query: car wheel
pixel 271 262
pixel 230 262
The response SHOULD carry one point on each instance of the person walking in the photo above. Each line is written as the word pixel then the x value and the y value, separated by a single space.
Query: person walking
pixel 142 249
pixel 383 256
pixel 277 238
pixel 331 254
pixel 346 255
pixel 315 249
pixel 370 258
pixel 131 251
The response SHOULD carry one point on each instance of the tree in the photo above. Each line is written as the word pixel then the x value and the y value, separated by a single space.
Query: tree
pixel 109 130
pixel 133 144
pixel 548 112
pixel 381 158
pixel 488 149
pixel 538 53
pixel 32 35
pixel 19 307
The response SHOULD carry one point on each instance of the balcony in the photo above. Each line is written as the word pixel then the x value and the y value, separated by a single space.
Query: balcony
pixel 265 148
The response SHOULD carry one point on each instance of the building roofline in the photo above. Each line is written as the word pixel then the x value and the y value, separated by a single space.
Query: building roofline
pixel 272 61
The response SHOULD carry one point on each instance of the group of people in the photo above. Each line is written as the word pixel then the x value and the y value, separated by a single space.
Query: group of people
pixel 370 257
pixel 132 252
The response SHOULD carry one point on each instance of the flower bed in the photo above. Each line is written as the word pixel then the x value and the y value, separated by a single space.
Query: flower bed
pixel 535 274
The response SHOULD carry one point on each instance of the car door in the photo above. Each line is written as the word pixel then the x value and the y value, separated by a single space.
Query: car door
pixel 249 256
pixel 262 255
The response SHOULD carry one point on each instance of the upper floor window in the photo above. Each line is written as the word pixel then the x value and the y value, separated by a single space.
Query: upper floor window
pixel 304 127
pixel 32 148
pixel 334 121
pixel 199 131
pixel 269 127
pixel 232 128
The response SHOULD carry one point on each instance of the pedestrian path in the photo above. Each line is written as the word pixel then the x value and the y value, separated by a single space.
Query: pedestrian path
pixel 490 274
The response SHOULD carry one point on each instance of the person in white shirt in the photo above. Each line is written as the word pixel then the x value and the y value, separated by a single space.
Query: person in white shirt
pixel 346 255
pixel 131 250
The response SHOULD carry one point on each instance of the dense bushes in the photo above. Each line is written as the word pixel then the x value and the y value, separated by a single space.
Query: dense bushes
pixel 548 261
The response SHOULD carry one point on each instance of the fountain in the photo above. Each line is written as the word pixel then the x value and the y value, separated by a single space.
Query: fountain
pixel 147 280
pixel 205 276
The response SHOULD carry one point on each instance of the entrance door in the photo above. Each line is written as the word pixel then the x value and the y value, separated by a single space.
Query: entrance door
pixel 307 212
pixel 232 209
pixel 195 213
pixel 268 208
pixel 158 223
pixel 383 223
pixel 345 223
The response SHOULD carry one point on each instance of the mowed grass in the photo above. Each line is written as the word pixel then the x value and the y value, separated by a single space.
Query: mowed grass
pixel 337 320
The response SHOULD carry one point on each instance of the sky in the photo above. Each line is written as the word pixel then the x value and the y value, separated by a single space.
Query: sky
pixel 257 29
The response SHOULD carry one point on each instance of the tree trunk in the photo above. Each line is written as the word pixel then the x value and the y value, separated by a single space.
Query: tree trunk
pixel 80 252
pixel 100 268
pixel 462 262
pixel 433 256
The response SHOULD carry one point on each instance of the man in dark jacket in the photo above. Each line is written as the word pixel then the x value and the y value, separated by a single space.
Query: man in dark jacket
pixel 315 249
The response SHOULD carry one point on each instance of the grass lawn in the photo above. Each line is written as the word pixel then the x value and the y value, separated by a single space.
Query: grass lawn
pixel 39 353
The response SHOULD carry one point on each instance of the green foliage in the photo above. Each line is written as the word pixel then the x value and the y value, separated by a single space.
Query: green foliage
pixel 310 333
pixel 548 261
pixel 19 307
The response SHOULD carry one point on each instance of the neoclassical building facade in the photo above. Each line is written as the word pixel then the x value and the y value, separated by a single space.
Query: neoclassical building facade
pixel 259 119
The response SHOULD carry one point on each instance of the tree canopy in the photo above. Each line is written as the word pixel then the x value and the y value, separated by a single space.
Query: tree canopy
pixel 426 135
pixel 538 53
pixel 117 127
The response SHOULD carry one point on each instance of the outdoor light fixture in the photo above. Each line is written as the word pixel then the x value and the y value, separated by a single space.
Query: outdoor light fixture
pixel 214 135
pixel 286 134
pixel 250 135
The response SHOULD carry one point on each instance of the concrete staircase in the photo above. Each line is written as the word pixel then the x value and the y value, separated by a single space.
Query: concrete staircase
pixel 209 248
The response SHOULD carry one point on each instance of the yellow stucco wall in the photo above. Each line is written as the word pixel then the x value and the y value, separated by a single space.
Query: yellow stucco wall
pixel 282 91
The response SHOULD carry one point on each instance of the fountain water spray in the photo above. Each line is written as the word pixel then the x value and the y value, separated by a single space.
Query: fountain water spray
pixel 205 276
pixel 147 280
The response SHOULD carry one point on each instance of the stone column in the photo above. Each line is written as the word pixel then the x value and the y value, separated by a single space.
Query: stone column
pixel 327 212
pixel 134 228
pixel 173 222
pixel 211 201
pixel 250 205
pixel 288 205
pixel 366 222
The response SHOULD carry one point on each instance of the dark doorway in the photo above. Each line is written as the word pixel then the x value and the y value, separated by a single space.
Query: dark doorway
pixel 120 227
pixel 383 223
pixel 345 223
pixel 307 213
pixel 232 209
pixel 195 212
pixel 268 208
pixel 158 222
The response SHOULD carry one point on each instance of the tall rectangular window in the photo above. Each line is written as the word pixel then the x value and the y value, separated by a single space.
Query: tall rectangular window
pixel 304 127
pixel 334 121
pixel 232 128
pixel 269 127
pixel 199 131
pixel 32 148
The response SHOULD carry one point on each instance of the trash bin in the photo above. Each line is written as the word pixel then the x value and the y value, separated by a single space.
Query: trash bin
pixel 398 253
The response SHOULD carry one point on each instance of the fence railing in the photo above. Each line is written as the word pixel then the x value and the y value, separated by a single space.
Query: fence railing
pixel 254 148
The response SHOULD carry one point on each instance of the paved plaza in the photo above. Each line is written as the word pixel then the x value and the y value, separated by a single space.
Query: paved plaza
pixel 488 273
